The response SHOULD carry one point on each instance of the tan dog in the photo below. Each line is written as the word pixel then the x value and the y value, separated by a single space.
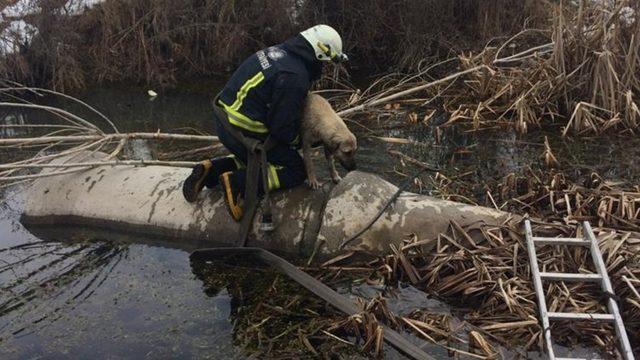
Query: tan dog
pixel 321 124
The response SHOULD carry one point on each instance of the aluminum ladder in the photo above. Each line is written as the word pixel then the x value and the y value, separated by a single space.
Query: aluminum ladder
pixel 588 240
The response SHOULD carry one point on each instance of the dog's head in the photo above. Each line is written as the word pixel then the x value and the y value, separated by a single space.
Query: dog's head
pixel 331 130
pixel 344 149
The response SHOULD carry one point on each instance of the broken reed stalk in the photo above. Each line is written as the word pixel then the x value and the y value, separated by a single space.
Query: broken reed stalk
pixel 85 166
pixel 10 126
pixel 41 175
pixel 485 268
pixel 89 138
pixel 102 163
pixel 410 91
pixel 109 137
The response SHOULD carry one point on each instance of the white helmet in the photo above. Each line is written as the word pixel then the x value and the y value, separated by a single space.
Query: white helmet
pixel 326 42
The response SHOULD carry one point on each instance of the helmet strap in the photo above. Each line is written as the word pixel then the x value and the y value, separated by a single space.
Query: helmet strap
pixel 327 50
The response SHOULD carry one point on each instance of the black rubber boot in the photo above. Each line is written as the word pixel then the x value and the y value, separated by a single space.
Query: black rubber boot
pixel 195 182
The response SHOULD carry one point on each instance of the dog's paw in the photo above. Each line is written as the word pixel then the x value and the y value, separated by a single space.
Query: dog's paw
pixel 336 178
pixel 314 184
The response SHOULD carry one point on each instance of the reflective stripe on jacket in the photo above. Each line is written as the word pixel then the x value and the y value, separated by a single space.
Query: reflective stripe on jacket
pixel 266 94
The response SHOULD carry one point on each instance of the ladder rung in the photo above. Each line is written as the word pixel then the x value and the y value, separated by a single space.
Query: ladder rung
pixel 580 316
pixel 591 242
pixel 570 277
pixel 561 241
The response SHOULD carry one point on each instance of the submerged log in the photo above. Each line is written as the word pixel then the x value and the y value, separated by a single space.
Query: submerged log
pixel 148 200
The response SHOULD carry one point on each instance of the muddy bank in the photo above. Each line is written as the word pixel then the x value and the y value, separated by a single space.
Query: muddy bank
pixel 149 200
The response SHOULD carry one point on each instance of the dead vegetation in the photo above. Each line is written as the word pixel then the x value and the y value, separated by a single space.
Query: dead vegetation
pixel 163 42
pixel 581 73
pixel 577 68
pixel 551 194
pixel 59 142
pixel 273 316
pixel 484 270
pixel 585 75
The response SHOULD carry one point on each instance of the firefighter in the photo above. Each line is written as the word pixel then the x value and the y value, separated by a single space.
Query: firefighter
pixel 263 99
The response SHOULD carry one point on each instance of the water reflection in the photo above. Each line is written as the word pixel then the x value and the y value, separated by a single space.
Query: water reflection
pixel 82 293
pixel 12 125
pixel 118 300
pixel 273 316
pixel 59 276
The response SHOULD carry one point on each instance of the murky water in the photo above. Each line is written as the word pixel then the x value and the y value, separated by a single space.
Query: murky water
pixel 118 296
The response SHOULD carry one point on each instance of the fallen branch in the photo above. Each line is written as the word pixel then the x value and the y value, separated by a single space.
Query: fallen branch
pixel 83 138
pixel 190 152
pixel 415 89
pixel 103 163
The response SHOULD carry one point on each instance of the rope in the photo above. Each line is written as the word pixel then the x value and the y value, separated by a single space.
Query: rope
pixel 402 188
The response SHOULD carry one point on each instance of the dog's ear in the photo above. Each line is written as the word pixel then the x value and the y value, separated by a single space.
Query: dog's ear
pixel 353 141
pixel 349 145
pixel 347 148
pixel 334 143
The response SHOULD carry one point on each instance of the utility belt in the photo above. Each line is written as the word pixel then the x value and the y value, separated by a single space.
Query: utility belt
pixel 256 164
pixel 267 141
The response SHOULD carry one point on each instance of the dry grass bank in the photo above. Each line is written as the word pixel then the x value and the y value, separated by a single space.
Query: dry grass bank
pixel 163 42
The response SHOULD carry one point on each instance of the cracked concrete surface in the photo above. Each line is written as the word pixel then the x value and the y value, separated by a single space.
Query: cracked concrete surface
pixel 360 196
pixel 149 200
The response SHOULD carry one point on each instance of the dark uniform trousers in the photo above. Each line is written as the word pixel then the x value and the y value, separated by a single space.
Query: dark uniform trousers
pixel 286 167
pixel 265 97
